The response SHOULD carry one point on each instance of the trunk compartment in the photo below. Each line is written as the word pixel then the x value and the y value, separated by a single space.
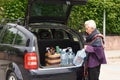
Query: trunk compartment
pixel 43 44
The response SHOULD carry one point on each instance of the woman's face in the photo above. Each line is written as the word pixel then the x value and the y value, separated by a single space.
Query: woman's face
pixel 88 29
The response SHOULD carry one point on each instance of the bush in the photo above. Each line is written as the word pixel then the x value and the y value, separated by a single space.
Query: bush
pixel 14 9
pixel 94 10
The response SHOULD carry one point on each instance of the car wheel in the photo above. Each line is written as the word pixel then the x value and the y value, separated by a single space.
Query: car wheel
pixel 12 76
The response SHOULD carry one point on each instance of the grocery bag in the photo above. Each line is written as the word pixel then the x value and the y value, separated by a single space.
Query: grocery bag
pixel 79 58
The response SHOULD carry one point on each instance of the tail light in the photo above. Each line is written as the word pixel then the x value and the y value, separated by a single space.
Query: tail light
pixel 31 61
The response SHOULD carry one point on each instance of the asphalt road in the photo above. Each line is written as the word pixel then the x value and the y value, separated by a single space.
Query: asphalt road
pixel 111 70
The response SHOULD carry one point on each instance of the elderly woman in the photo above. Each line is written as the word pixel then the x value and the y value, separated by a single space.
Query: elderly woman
pixel 94 49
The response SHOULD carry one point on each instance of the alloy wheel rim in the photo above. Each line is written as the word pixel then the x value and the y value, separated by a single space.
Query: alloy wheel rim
pixel 11 78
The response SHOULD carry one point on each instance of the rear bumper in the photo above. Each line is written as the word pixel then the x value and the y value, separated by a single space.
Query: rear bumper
pixel 54 74
pixel 65 76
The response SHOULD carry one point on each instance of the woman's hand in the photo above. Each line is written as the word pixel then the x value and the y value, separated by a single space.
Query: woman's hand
pixel 85 46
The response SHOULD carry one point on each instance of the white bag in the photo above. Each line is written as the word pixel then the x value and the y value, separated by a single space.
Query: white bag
pixel 79 58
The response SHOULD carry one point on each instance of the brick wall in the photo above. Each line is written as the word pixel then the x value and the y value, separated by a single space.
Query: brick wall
pixel 112 43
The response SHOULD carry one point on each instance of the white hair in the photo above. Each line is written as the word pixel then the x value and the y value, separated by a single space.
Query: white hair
pixel 90 23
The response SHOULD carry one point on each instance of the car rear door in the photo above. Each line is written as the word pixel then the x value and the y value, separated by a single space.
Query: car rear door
pixel 54 11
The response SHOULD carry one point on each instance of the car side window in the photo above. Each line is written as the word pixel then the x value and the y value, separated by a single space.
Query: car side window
pixel 14 36
pixel 44 34
pixel 20 39
pixel 60 34
pixel 9 35
pixel 75 38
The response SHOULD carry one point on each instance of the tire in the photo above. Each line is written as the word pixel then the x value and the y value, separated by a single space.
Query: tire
pixel 12 76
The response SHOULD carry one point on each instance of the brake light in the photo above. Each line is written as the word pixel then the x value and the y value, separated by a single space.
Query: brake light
pixel 31 61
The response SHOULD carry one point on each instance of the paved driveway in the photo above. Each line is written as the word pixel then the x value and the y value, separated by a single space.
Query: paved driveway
pixel 111 71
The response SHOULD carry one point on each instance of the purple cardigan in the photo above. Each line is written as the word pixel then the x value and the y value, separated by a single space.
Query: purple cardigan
pixel 96 56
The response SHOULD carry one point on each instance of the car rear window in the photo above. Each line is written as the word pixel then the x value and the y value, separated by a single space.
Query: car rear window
pixel 49 10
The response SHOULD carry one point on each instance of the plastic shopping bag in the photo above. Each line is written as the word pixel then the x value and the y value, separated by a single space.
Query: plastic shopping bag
pixel 79 58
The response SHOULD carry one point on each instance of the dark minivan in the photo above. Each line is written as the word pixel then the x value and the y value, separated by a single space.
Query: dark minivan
pixel 23 48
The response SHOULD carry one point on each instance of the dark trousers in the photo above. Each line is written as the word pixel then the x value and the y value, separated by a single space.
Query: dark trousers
pixel 93 73
pixel 80 73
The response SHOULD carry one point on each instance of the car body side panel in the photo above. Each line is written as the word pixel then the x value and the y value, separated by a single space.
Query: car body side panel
pixel 12 57
pixel 8 55
pixel 3 65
